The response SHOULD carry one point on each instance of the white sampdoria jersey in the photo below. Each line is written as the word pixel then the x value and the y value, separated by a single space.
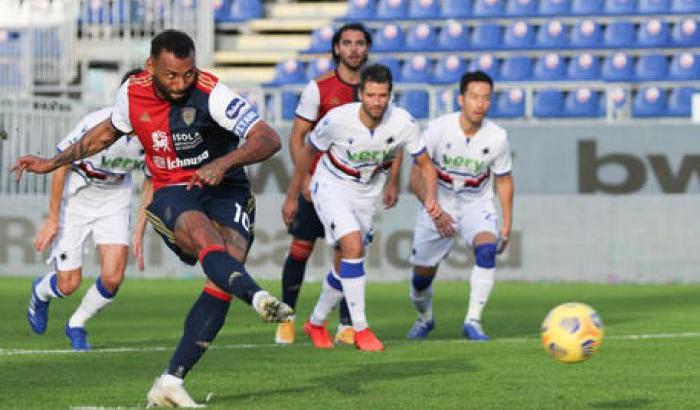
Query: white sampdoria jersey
pixel 466 165
pixel 357 157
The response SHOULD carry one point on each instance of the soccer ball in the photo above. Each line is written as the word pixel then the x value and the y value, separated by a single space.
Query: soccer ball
pixel 572 332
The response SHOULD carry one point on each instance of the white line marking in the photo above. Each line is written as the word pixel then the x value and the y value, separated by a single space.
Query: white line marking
pixel 26 352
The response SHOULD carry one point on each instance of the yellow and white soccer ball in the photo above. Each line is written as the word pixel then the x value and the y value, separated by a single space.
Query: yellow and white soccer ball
pixel 572 332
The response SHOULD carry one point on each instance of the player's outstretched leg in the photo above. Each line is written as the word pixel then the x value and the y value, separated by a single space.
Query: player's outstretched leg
pixel 292 279
pixel 315 327
pixel 481 284
pixel 43 290
pixel 95 299
pixel 422 298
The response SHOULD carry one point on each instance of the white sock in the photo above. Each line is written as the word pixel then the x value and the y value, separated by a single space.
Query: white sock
pixel 327 301
pixel 48 287
pixel 95 299
pixel 170 380
pixel 353 278
pixel 423 302
pixel 257 299
pixel 480 285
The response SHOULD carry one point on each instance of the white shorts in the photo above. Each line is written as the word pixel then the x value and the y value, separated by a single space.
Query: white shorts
pixel 429 248
pixel 342 211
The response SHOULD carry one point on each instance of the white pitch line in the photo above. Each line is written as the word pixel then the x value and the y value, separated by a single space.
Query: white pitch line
pixel 27 352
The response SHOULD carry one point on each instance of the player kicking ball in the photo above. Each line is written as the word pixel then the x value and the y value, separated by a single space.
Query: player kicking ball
pixel 359 141
pixel 469 152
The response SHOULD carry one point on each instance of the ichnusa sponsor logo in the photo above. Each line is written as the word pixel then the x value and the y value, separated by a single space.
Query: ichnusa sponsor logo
pixel 172 163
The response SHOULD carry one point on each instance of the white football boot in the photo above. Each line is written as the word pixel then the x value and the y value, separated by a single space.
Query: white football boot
pixel 173 395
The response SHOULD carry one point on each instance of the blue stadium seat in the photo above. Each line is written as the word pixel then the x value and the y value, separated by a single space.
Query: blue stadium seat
pixel 415 102
pixel 651 67
pixel 686 33
pixel 10 44
pixel 289 71
pixel 587 33
pixel 456 8
pixel 584 67
pixel 361 10
pixel 621 7
pixel 587 7
pixel 449 69
pixel 550 66
pixel 46 42
pixel 487 36
pixel 516 68
pixel 221 9
pixel 649 102
pixel 509 104
pixel 521 8
pixel 242 10
pixel 290 100
pixel 389 38
pixel 653 33
pixel 447 100
pixel 320 66
pixel 685 66
pixel 519 35
pixel 394 66
pixel 685 6
pixel 392 9
pixel 618 95
pixel 486 63
pixel 453 36
pixel 555 7
pixel 618 67
pixel 620 34
pixel 680 101
pixel 104 11
pixel 583 103
pixel 424 9
pixel 416 70
pixel 422 37
pixel 488 8
pixel 548 103
pixel 321 40
pixel 654 6
pixel 552 35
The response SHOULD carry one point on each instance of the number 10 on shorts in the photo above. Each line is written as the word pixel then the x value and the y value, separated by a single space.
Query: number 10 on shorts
pixel 241 217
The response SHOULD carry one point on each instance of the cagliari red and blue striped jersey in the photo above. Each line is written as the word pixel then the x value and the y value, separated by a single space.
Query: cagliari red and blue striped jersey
pixel 180 137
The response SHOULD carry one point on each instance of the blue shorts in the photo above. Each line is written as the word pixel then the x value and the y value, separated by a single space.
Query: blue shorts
pixel 231 207
pixel 306 225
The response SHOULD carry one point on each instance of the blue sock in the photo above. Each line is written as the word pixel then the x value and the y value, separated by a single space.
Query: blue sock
pixel 228 273
pixel 421 282
pixel 53 282
pixel 103 291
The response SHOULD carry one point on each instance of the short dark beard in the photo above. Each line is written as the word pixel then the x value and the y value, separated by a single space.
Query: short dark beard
pixel 362 63
pixel 165 94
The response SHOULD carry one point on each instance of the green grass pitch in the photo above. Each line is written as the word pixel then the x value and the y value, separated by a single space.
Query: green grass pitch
pixel 648 359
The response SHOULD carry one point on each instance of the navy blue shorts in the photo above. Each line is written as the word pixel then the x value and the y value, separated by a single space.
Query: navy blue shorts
pixel 306 225
pixel 232 207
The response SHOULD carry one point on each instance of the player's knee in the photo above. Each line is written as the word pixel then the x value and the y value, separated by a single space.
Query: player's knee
pixel 69 282
pixel 300 250
pixel 111 282
pixel 485 255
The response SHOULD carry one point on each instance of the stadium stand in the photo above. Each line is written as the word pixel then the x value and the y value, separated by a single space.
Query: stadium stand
pixel 416 102
pixel 620 7
pixel 679 102
pixel 685 6
pixel 519 35
pixel 422 37
pixel 653 33
pixel 424 9
pixel 456 8
pixel 618 67
pixel 416 70
pixel 620 34
pixel 361 9
pixel 686 33
pixel 583 103
pixel 555 7
pixel 548 103
pixel 684 66
pixel 550 67
pixel 589 7
pixel 394 65
pixel 553 35
pixel 321 39
pixel 453 36
pixel 509 104
pixel 654 6
pixel 488 8
pixel 449 70
pixel 649 102
pixel 389 38
pixel 586 33
pixel 584 67
pixel 516 68
pixel 487 63
pixel 392 9
pixel 651 67
pixel 521 8
pixel 487 36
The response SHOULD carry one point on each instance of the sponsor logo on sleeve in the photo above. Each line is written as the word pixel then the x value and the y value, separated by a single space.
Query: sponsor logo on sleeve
pixel 245 122
pixel 234 107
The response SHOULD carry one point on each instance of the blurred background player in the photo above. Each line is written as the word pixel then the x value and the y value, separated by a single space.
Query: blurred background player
pixel 469 152
pixel 91 196
pixel 359 140
pixel 350 47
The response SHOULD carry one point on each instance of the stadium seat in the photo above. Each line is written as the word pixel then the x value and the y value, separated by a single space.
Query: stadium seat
pixel 620 7
pixel 548 103
pixel 587 7
pixel 521 8
pixel 416 70
pixel 583 103
pixel 488 8
pixel 103 11
pixel 447 100
pixel 422 37
pixel 685 6
pixel 584 67
pixel 654 6
pixel 686 33
pixel 680 101
pixel 486 63
pixel 320 66
pixel 449 69
pixel 453 36
pixel 618 95
pixel 509 104
pixel 516 68
pixel 242 10
pixel 10 44
pixel 486 36
pixel 684 66
pixel 289 71
pixel 651 67
pixel 392 9
pixel 587 33
pixel 553 35
pixel 321 40
pixel 46 43
pixel 649 102
pixel 653 33
pixel 290 100
pixel 10 76
pixel 555 7
pixel 394 66
pixel 221 10
pixel 550 66
pixel 620 34
pixel 361 10
pixel 456 8
pixel 618 67
pixel 519 35
pixel 424 9
pixel 389 38
pixel 415 102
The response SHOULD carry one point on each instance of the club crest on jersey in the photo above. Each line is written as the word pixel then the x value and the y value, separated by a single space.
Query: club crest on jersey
pixel 160 141
pixel 188 115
